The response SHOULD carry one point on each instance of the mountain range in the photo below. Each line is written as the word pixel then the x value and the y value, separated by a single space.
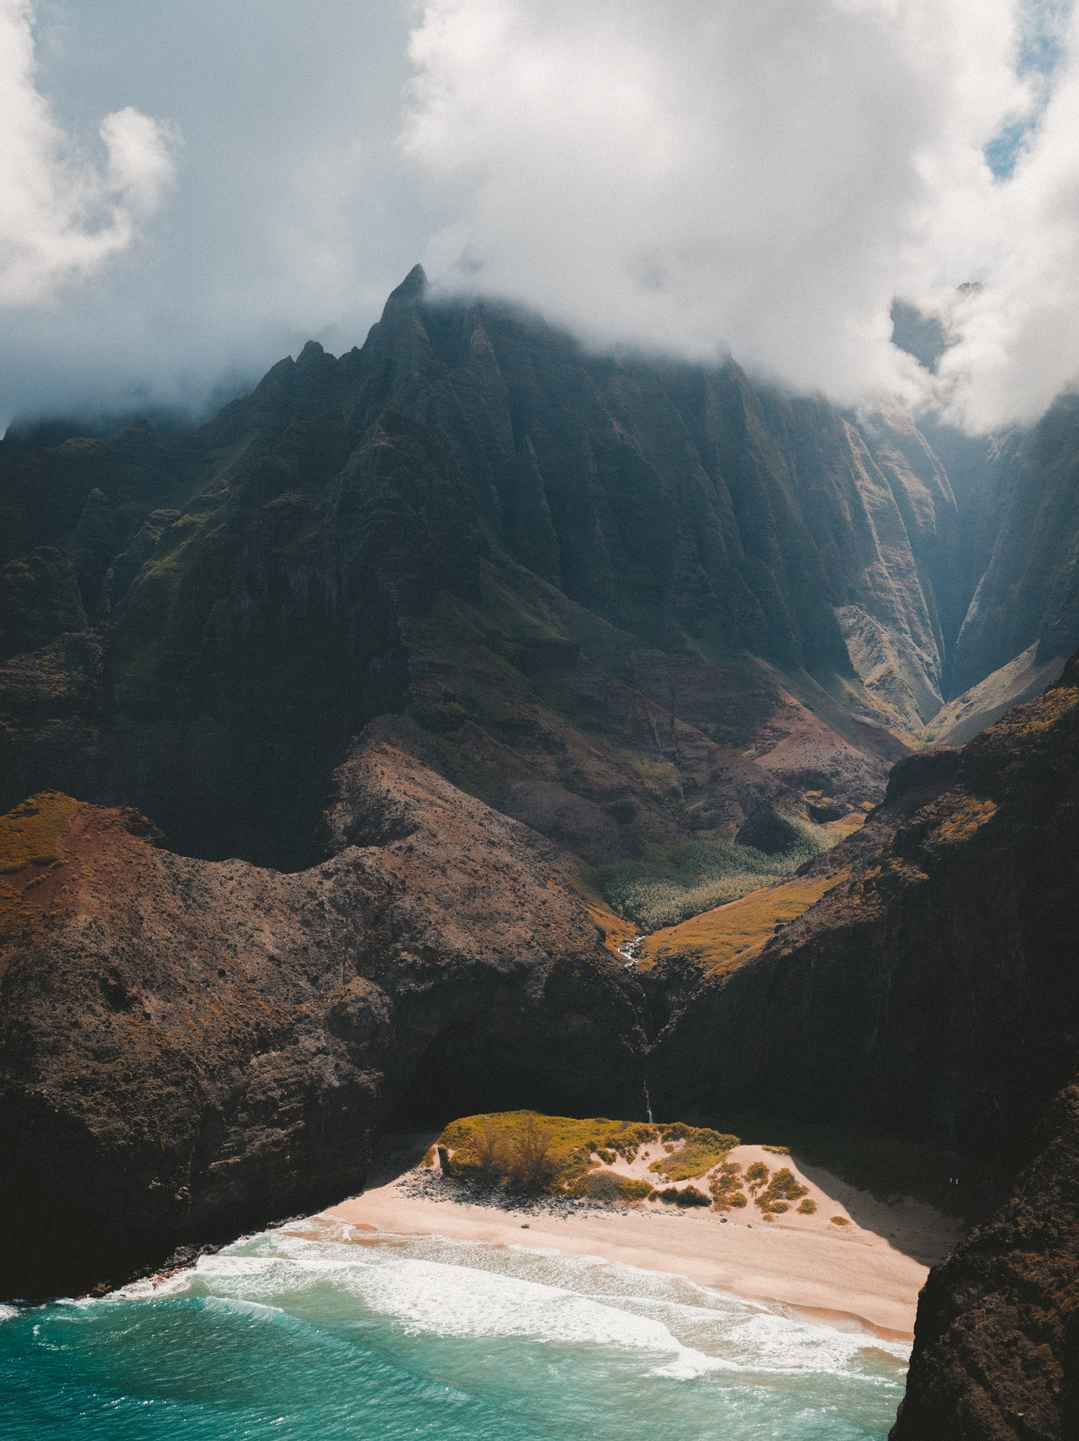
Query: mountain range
pixel 351 736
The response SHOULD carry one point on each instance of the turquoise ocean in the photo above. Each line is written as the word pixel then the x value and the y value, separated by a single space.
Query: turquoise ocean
pixel 320 1339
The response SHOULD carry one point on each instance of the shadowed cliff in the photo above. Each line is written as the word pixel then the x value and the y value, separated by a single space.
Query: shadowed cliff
pixel 934 992
pixel 192 1048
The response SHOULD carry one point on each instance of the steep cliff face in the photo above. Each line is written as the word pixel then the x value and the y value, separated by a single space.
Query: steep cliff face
pixel 191 1047
pixel 940 969
pixel 1029 591
pixel 997 1349
pixel 570 572
pixel 933 990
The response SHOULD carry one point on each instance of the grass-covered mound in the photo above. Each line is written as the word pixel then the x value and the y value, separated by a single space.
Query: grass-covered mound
pixel 533 1154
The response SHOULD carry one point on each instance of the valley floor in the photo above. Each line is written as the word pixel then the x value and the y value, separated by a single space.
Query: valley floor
pixel 862 1273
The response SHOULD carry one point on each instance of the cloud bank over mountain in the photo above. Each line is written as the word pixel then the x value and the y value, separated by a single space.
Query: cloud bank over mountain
pixel 761 180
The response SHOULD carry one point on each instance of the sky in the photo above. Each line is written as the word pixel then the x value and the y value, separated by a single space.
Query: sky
pixel 189 192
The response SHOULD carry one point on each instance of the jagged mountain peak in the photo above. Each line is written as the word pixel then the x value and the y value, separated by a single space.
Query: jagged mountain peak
pixel 411 290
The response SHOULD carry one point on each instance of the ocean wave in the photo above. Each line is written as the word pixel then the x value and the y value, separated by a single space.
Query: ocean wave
pixel 8 1313
pixel 460 1289
pixel 440 1298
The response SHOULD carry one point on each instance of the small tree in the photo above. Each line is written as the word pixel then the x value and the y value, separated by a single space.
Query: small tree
pixel 533 1164
pixel 489 1149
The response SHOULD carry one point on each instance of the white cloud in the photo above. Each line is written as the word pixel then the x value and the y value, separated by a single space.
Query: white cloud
pixel 62 214
pixel 1017 338
pixel 763 178
pixel 688 176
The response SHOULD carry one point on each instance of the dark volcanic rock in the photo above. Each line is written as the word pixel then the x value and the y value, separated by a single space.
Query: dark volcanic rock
pixel 191 1048
pixel 997 1342
pixel 935 992
pixel 565 569
pixel 432 627
pixel 942 970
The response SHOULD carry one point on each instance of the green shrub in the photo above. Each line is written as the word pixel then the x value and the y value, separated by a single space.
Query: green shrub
pixel 757 1174
pixel 726 1187
pixel 519 1150
pixel 670 884
pixel 701 1148
pixel 783 1188
pixel 786 1186
pixel 609 1187
pixel 689 1196
pixel 840 1221
pixel 808 1207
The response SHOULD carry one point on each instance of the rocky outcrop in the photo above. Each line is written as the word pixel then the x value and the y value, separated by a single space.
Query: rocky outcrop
pixel 191 1048
pixel 940 970
pixel 997 1343
pixel 933 991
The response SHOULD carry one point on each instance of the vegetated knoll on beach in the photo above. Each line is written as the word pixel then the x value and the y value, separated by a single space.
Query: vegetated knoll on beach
pixel 522 1155
pixel 535 1154
pixel 192 1048
pixel 934 991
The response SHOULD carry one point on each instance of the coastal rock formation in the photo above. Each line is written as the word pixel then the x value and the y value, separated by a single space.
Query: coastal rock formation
pixel 997 1353
pixel 906 979
pixel 933 991
pixel 191 1048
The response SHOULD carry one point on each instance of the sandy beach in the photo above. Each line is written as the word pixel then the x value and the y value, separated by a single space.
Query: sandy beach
pixel 864 1271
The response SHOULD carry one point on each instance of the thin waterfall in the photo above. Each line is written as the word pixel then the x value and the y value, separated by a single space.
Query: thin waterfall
pixel 648 1105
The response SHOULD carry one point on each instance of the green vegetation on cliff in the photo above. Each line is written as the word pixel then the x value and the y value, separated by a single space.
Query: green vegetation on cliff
pixel 669 885
pixel 28 834
pixel 28 837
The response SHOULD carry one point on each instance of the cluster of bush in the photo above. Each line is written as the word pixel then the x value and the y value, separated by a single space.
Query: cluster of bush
pixel 608 1187
pixel 526 1152
pixel 530 1154
pixel 726 1187
pixel 682 1196
pixel 775 1194
pixel 701 1149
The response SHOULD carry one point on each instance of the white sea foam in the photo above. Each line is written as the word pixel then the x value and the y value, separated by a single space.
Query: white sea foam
pixel 8 1313
pixel 773 1342
pixel 449 1300
pixel 468 1289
